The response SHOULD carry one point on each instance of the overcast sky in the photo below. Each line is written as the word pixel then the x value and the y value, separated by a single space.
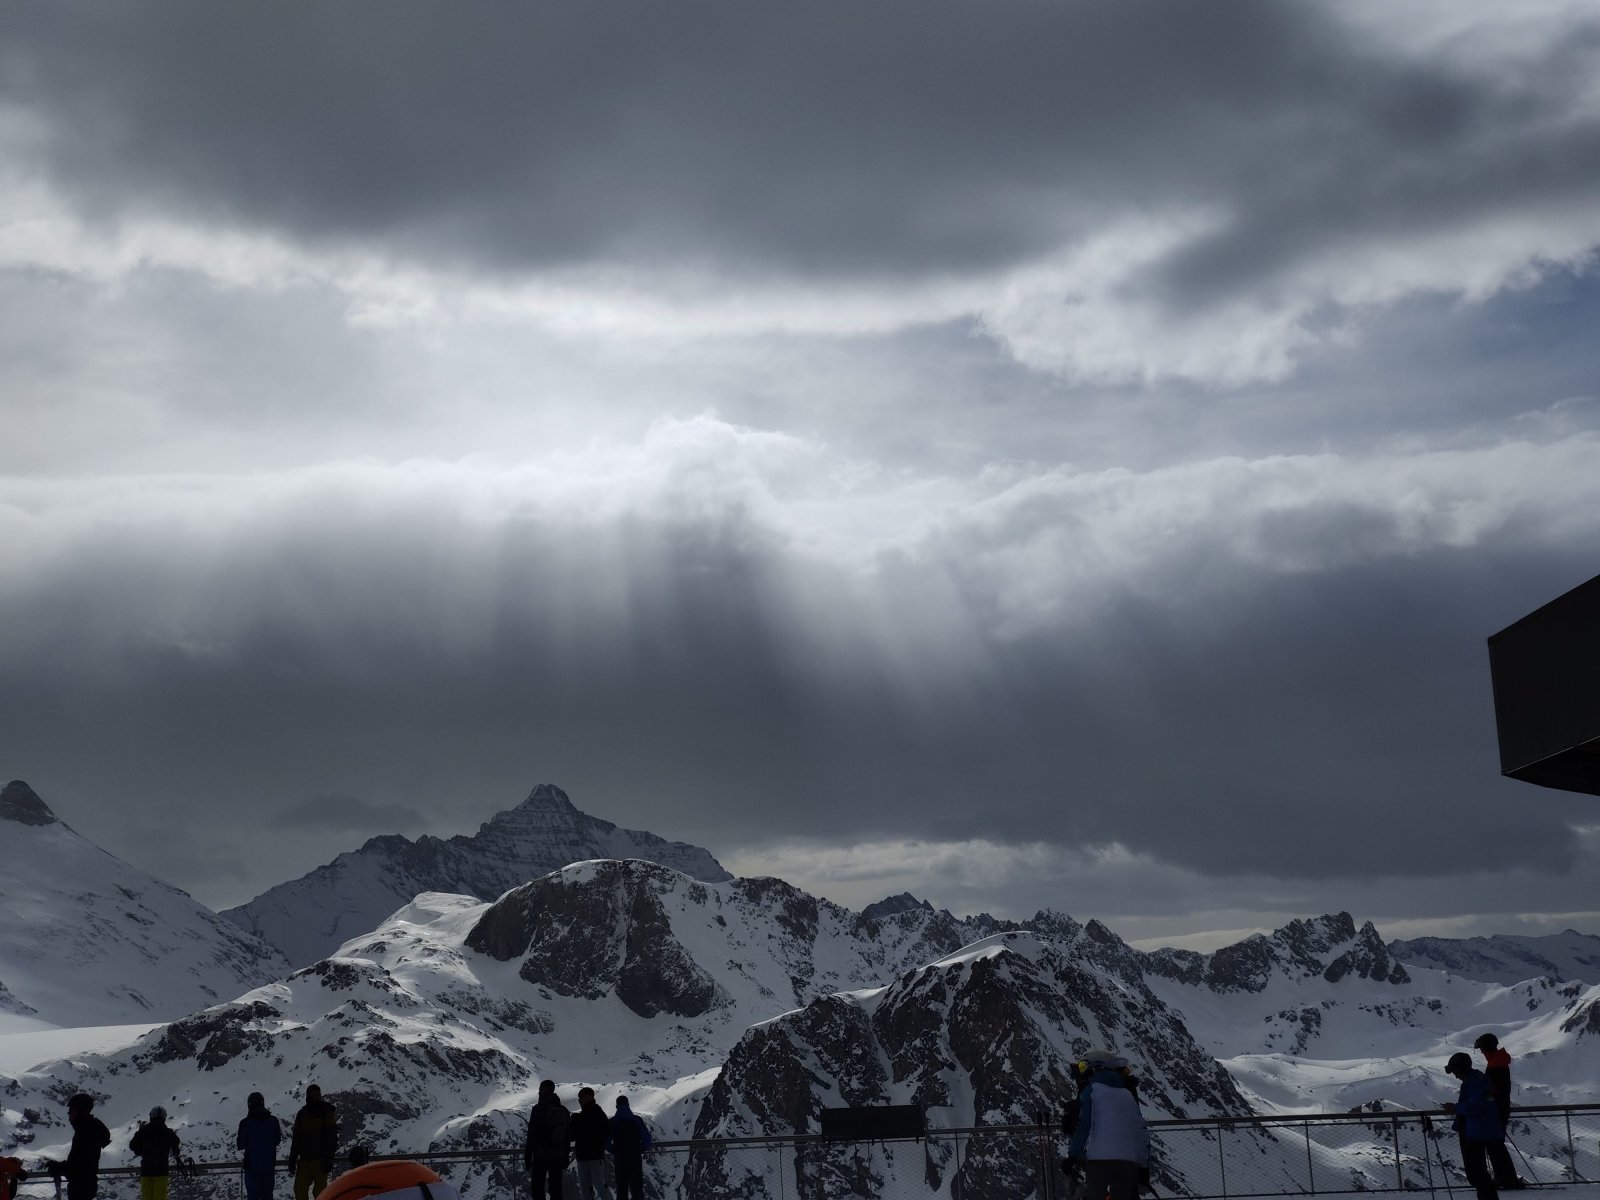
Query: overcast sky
pixel 1028 454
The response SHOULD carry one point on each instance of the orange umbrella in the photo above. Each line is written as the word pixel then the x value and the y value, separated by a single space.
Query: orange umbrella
pixel 392 1179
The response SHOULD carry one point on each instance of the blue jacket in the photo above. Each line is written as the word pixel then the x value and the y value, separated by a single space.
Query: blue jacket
pixel 1477 1115
pixel 630 1136
pixel 1110 1125
pixel 259 1135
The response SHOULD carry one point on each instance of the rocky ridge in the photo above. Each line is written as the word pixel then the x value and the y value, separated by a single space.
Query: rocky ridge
pixel 310 917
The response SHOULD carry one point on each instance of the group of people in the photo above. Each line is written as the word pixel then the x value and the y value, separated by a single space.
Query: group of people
pixel 1481 1112
pixel 1110 1148
pixel 313 1144
pixel 557 1136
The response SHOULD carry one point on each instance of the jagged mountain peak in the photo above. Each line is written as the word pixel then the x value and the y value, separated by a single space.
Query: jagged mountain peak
pixel 20 803
pixel 310 917
pixel 891 906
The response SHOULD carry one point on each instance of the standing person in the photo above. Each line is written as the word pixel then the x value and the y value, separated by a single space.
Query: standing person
pixel 313 1144
pixel 549 1136
pixel 89 1137
pixel 591 1134
pixel 1497 1068
pixel 1477 1122
pixel 630 1138
pixel 259 1135
pixel 1111 1140
pixel 157 1147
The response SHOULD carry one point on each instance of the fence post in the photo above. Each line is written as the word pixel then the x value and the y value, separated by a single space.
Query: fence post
pixel 1311 1166
pixel 1222 1158
pixel 1572 1148
pixel 1399 1172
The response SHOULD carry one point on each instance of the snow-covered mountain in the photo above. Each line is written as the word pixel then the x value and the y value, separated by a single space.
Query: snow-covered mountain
pixel 310 917
pixel 86 939
pixel 434 1030
pixel 1319 1016
pixel 1508 958
pixel 986 1035
pixel 747 1005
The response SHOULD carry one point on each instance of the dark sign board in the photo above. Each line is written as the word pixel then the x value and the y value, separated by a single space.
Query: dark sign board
pixel 877 1123
pixel 1546 671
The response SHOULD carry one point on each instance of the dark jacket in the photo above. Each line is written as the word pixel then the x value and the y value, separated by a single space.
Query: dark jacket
pixel 591 1132
pixel 630 1136
pixel 259 1135
pixel 156 1145
pixel 89 1137
pixel 549 1132
pixel 1498 1069
pixel 1477 1119
pixel 316 1133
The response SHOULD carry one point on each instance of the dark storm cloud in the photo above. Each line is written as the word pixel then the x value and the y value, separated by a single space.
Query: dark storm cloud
pixel 1325 717
pixel 846 140
pixel 351 814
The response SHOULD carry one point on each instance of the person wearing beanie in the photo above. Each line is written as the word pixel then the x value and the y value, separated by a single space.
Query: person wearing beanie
pixel 258 1138
pixel 547 1150
pixel 157 1148
pixel 1477 1123
pixel 630 1138
pixel 89 1137
pixel 1497 1068
pixel 1111 1142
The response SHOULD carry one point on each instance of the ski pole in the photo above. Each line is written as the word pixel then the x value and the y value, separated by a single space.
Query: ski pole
pixel 1443 1169
pixel 1428 1135
pixel 1532 1178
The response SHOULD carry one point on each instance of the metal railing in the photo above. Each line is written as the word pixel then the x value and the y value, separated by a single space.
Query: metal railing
pixel 1199 1159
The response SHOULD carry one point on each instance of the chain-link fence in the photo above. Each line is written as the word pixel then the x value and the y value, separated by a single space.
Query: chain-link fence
pixel 1204 1159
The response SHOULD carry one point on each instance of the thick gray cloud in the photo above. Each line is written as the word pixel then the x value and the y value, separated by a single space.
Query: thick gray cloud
pixel 1032 455
pixel 848 140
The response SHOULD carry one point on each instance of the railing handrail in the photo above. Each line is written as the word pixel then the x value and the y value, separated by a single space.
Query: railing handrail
pixel 692 1144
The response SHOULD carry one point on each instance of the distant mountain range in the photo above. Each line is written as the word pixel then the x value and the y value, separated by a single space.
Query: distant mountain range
pixel 728 1006
pixel 1508 958
pixel 310 917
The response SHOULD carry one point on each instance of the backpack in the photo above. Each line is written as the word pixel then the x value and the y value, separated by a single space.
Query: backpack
pixel 554 1130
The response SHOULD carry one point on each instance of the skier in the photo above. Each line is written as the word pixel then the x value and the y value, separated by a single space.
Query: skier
pixel 258 1137
pixel 591 1134
pixel 1497 1068
pixel 313 1144
pixel 630 1138
pixel 549 1136
pixel 89 1137
pixel 1111 1142
pixel 1477 1122
pixel 157 1147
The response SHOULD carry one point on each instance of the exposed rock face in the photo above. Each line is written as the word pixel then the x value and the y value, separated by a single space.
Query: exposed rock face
pixel 311 917
pixel 20 803
pixel 604 931
pixel 1329 946
pixel 986 1036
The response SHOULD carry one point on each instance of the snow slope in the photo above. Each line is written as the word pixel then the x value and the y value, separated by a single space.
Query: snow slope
pixel 86 939
pixel 309 917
